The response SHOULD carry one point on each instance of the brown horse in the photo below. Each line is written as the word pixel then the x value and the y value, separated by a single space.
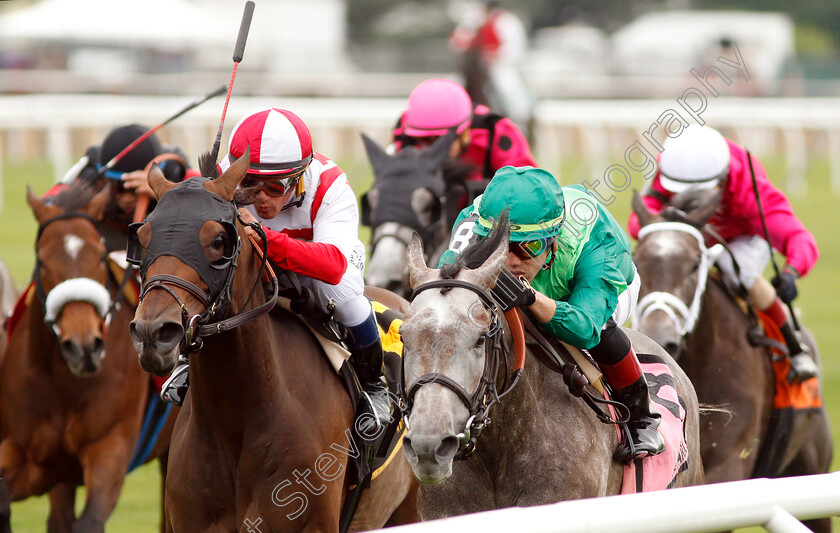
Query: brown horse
pixel 265 407
pixel 693 315
pixel 69 413
pixel 544 445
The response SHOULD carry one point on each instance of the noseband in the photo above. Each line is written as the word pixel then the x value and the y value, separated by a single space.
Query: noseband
pixel 684 316
pixel 73 290
pixel 478 403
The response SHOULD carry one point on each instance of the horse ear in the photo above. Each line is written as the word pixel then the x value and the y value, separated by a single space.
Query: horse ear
pixel 226 184
pixel 437 153
pixel 641 210
pixel 158 182
pixel 96 207
pixel 377 156
pixel 706 203
pixel 418 271
pixel 41 210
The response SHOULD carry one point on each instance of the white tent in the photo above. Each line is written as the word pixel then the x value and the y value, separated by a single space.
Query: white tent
pixel 130 23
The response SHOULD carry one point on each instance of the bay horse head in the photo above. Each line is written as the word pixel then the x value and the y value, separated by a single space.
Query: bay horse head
pixel 71 273
pixel 187 250
pixel 406 197
pixel 452 337
pixel 673 262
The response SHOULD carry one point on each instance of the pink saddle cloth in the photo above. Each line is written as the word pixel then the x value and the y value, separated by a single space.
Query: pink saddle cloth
pixel 660 471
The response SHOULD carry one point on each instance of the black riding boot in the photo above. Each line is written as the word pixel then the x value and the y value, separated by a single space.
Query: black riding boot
pixel 802 366
pixel 643 423
pixel 368 364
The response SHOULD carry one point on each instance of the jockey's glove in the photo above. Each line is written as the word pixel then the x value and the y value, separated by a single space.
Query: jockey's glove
pixel 785 284
pixel 511 291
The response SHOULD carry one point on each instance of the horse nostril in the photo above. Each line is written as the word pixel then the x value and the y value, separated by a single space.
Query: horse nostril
pixel 98 348
pixel 70 350
pixel 169 334
pixel 672 348
pixel 409 449
pixel 447 447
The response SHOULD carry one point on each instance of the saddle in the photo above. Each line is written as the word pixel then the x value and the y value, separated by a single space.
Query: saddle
pixel 581 373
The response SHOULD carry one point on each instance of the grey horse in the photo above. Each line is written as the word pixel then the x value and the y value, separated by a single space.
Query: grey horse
pixel 544 445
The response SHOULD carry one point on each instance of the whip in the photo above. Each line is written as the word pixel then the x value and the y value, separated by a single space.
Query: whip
pixel 238 51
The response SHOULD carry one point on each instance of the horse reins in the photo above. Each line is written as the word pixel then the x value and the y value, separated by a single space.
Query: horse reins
pixel 478 403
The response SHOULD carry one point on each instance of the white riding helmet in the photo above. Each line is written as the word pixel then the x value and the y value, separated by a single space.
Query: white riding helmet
pixel 697 159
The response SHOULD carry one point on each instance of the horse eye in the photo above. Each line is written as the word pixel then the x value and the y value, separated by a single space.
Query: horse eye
pixel 695 266
pixel 480 341
pixel 219 242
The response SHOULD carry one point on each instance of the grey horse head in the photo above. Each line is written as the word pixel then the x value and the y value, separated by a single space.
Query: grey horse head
pixel 444 332
pixel 405 198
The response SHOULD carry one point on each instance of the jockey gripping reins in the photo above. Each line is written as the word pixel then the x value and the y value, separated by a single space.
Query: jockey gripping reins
pixel 486 394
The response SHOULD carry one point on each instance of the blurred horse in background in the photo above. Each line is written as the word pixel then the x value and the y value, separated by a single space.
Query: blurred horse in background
pixel 71 415
pixel 408 195
pixel 689 310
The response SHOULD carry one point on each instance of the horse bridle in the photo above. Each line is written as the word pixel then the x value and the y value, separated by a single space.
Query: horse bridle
pixel 684 316
pixel 76 289
pixel 478 403
pixel 216 302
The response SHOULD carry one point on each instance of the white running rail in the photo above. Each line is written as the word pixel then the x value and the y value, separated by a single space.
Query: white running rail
pixel 775 504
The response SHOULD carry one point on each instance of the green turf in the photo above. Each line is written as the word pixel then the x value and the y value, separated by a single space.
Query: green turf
pixel 138 509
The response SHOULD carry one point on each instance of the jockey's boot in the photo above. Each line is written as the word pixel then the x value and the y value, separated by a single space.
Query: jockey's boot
pixel 802 366
pixel 631 389
pixel 367 359
pixel 174 389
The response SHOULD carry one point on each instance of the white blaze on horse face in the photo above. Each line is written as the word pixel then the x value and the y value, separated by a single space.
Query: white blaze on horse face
pixel 72 245
pixel 661 245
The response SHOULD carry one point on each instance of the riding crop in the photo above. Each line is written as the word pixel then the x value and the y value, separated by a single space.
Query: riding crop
pixel 238 51
pixel 767 237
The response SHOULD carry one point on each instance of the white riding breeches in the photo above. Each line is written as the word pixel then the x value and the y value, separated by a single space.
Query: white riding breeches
pixel 627 300
pixel 752 254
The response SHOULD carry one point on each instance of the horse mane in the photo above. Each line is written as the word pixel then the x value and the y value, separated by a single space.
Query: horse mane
pixel 76 195
pixel 477 253
pixel 207 165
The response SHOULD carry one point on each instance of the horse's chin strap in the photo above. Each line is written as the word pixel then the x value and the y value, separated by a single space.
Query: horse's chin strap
pixel 684 316
pixel 486 394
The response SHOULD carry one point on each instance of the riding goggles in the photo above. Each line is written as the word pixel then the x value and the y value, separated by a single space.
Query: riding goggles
pixel 277 187
pixel 526 250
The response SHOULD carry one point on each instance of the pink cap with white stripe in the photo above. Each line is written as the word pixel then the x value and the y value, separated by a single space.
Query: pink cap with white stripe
pixel 280 142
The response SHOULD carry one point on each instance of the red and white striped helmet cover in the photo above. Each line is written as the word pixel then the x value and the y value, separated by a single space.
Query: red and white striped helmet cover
pixel 280 142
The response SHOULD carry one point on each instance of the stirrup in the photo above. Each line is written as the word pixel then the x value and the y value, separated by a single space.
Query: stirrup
pixel 802 367
pixel 379 407
pixel 174 389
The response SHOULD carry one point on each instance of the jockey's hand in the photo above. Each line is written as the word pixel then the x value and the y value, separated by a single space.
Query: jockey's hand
pixel 785 284
pixel 137 182
pixel 248 218
pixel 512 292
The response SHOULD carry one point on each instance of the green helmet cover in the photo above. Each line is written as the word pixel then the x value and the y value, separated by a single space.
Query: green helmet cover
pixel 534 198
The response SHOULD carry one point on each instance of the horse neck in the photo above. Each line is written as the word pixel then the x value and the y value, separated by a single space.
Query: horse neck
pixel 238 367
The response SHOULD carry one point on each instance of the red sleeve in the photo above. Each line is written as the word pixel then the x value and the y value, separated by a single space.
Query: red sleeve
pixel 324 262
pixel 653 204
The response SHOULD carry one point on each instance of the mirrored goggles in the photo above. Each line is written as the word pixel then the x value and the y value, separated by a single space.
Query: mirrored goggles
pixel 530 249
pixel 277 187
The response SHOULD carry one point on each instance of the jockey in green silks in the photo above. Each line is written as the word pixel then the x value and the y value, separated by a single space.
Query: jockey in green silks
pixel 575 275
